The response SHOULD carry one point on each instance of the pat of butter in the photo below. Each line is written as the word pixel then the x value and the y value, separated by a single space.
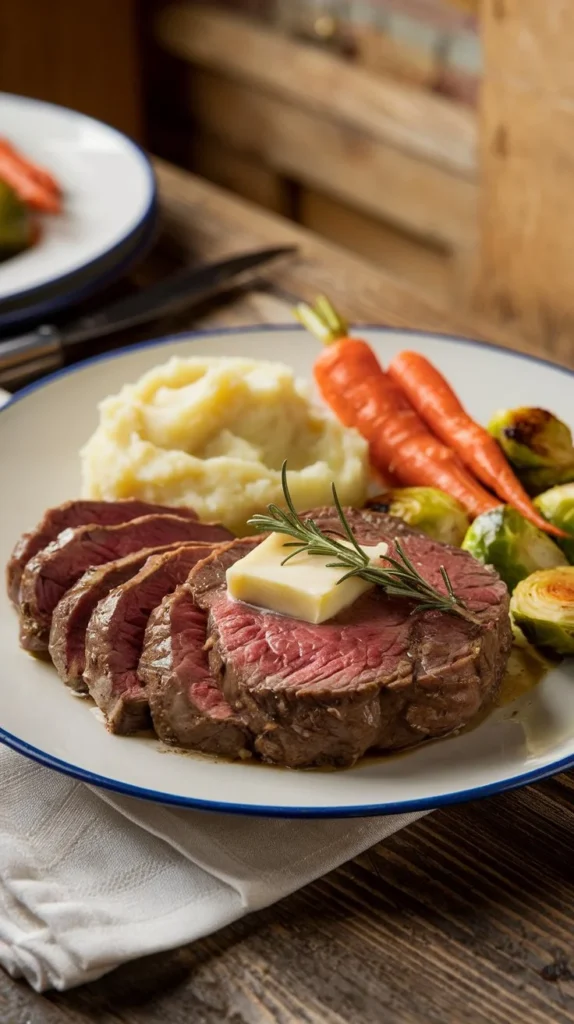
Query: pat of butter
pixel 304 588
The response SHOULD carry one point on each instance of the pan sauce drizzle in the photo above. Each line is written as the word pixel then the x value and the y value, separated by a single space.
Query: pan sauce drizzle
pixel 525 669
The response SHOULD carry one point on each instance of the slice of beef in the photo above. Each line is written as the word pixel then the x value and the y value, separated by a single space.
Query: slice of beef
pixel 72 514
pixel 54 570
pixel 115 636
pixel 72 614
pixel 187 707
pixel 377 676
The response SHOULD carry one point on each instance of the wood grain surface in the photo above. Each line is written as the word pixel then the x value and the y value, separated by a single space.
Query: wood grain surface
pixel 380 179
pixel 527 154
pixel 466 917
pixel 388 149
pixel 55 51
pixel 412 119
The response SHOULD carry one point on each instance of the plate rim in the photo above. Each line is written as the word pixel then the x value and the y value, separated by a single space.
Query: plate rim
pixel 136 245
pixel 265 810
pixel 143 158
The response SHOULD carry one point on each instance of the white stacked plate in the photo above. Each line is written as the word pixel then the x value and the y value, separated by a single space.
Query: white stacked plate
pixel 108 214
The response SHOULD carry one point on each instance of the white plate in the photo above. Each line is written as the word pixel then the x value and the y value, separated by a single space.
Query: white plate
pixel 109 193
pixel 40 435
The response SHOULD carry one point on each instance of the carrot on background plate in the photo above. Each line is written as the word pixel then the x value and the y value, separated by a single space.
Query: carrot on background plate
pixel 15 172
pixel 362 395
pixel 438 405
pixel 37 173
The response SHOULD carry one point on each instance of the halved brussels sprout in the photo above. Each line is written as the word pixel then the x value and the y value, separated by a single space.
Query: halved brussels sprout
pixel 15 222
pixel 506 540
pixel 537 444
pixel 435 513
pixel 557 506
pixel 543 608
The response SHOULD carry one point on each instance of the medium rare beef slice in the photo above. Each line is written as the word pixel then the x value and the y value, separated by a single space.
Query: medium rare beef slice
pixel 72 614
pixel 54 570
pixel 187 707
pixel 72 514
pixel 378 676
pixel 115 635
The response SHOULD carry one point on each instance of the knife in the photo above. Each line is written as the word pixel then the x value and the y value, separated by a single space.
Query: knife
pixel 45 347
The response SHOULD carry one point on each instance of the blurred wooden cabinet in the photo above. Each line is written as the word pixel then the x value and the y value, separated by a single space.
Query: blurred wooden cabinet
pixel 379 164
pixel 74 52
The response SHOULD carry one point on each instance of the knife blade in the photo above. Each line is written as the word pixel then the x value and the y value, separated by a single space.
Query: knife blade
pixel 48 344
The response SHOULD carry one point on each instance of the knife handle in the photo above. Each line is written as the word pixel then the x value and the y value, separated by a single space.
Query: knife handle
pixel 42 344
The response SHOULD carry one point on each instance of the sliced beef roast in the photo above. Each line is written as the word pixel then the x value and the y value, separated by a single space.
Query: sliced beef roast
pixel 54 570
pixel 115 636
pixel 71 514
pixel 188 709
pixel 71 616
pixel 376 676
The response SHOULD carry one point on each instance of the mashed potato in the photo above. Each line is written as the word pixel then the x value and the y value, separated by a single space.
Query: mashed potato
pixel 213 434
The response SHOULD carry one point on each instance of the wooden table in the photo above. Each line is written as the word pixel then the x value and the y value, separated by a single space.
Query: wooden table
pixel 467 916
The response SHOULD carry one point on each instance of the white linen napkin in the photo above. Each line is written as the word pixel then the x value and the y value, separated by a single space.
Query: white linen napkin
pixel 4 396
pixel 89 880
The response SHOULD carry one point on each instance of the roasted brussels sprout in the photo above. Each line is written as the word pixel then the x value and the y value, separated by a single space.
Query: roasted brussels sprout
pixel 506 540
pixel 537 444
pixel 15 222
pixel 557 506
pixel 542 607
pixel 428 509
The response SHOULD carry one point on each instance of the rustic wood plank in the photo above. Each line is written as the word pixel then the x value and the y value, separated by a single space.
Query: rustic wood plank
pixel 424 125
pixel 527 155
pixel 214 159
pixel 380 53
pixel 428 269
pixel 542 61
pixel 364 172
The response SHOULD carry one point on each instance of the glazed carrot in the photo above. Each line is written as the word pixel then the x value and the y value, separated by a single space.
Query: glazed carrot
pixel 29 191
pixel 37 173
pixel 435 401
pixel 363 396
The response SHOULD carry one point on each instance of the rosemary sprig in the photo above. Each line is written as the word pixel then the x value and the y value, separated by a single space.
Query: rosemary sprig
pixel 399 578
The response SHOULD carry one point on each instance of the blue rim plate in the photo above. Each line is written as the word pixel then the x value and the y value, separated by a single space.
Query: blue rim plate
pixel 41 431
pixel 110 200
pixel 81 286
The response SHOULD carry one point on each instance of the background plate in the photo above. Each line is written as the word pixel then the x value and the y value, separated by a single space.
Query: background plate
pixel 109 192
pixel 40 435
pixel 43 304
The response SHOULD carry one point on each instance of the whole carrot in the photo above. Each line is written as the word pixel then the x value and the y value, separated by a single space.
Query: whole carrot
pixel 438 405
pixel 34 171
pixel 29 191
pixel 363 396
